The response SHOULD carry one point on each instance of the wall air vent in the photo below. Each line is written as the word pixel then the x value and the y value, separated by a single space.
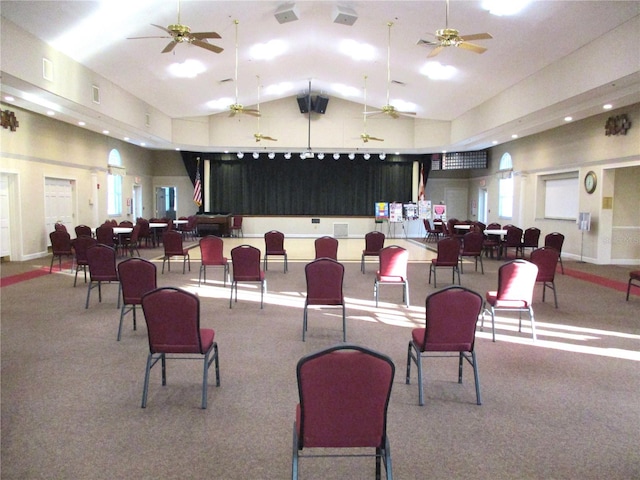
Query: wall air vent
pixel 95 94
pixel 341 230
pixel 47 69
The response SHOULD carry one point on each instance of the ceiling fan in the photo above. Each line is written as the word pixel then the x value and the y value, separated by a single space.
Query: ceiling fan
pixel 259 136
pixel 238 107
pixel 389 109
pixel 365 136
pixel 179 33
pixel 447 37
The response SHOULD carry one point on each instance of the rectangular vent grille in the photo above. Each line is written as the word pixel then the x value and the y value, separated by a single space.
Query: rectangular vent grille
pixel 95 91
pixel 340 230
pixel 147 120
pixel 47 69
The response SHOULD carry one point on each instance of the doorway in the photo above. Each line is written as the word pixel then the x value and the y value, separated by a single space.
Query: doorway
pixel 482 205
pixel 166 202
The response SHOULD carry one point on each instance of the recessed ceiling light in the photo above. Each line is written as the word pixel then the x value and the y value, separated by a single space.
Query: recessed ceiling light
pixel 495 142
pixel 9 98
pixel 514 135
pixel 106 132
pixel 81 123
pixel 51 113
pixel 607 106
pixel 142 144
pixel 568 119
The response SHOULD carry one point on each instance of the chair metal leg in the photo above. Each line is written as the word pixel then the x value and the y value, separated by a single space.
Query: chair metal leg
pixel 375 292
pixel 476 377
pixel 294 454
pixel 304 322
pixel 147 372
pixel 344 324
pixel 533 323
pixel 387 459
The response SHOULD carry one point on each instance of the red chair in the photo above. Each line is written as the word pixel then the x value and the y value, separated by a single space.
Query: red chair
pixel 102 269
pixel 132 242
pixel 373 243
pixel 513 239
pixel 432 232
pixel 83 231
pixel 451 318
pixel 344 395
pixel 546 259
pixel 145 231
pixel 173 325
pixel 516 280
pixel 246 268
pixel 530 239
pixel 211 253
pixel 60 247
pixel 555 240
pixel 326 247
pixel 472 245
pixel 633 277
pixel 236 226
pixel 447 257
pixel 325 278
pixel 80 246
pixel 172 241
pixel 60 227
pixel 137 277
pixel 274 245
pixel 393 271
pixel 105 236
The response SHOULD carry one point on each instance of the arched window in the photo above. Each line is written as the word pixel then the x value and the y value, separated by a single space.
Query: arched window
pixel 505 187
pixel 114 184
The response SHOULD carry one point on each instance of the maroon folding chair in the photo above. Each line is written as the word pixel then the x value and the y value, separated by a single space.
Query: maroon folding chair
pixel 80 246
pixel 450 330
pixel 546 259
pixel 555 240
pixel 137 277
pixel 447 257
pixel 172 241
pixel 326 247
pixel 393 271
pixel 173 326
pixel 634 276
pixel 472 245
pixel 325 277
pixel 344 395
pixel 211 253
pixel 274 245
pixel 60 247
pixel 516 280
pixel 373 243
pixel 246 269
pixel 102 269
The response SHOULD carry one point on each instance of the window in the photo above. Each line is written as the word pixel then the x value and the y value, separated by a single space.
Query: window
pixel 114 185
pixel 505 187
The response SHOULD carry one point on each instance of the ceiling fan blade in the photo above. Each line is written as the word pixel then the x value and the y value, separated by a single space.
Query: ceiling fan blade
pixel 170 46
pixel 435 51
pixel 204 44
pixel 162 28
pixel 476 36
pixel 251 111
pixel 270 138
pixel 426 42
pixel 472 46
pixel 203 35
pixel 141 38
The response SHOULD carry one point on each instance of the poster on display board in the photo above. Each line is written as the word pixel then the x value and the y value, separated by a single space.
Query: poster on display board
pixel 410 211
pixel 382 210
pixel 395 212
pixel 424 209
pixel 440 212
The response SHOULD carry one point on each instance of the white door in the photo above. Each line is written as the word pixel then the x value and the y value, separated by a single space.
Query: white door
pixel 5 230
pixel 456 200
pixel 482 206
pixel 58 204
pixel 136 198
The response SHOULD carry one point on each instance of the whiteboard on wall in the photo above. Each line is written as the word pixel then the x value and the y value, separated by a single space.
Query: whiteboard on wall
pixel 561 198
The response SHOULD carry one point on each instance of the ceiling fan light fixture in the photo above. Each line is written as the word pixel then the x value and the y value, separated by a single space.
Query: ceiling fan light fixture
pixel 287 155
pixel 256 155
pixel 382 156
pixel 240 155
pixel 336 156
pixel 271 155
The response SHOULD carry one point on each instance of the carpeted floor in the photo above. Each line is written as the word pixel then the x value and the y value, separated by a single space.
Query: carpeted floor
pixel 565 407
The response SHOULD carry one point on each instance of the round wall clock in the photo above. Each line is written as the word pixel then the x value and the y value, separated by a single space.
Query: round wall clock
pixel 590 181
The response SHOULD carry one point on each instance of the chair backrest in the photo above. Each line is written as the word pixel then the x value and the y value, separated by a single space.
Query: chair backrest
pixel 173 321
pixel 344 395
pixel 494 226
pixel 325 278
pixel 472 243
pixel 393 263
pixel 172 241
pixel 374 242
pixel 60 242
pixel 516 280
pixel 102 263
pixel 451 318
pixel 135 234
pixel 145 230
pixel 513 238
pixel 137 277
pixel 546 259
pixel 531 237
pixel 211 248
pixel 83 231
pixel 554 240
pixel 81 245
pixel 104 234
pixel 326 247
pixel 448 250
pixel 126 223
pixel 60 227
pixel 246 263
pixel 274 242
pixel 237 221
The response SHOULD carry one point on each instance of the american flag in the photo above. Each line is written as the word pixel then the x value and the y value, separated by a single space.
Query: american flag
pixel 421 185
pixel 197 190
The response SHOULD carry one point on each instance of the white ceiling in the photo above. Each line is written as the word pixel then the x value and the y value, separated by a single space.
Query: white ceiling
pixel 95 34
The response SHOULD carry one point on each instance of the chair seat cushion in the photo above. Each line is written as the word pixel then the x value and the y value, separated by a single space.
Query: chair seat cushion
pixel 389 278
pixel 492 300
pixel 325 301
pixel 436 263
pixel 417 335
pixel 635 275
pixel 207 335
